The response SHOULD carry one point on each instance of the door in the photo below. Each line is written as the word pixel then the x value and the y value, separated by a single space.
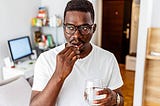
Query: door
pixel 116 27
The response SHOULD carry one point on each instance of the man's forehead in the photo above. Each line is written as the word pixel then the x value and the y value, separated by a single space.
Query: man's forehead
pixel 78 16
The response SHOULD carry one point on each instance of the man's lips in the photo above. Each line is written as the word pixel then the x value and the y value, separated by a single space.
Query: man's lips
pixel 75 43
pixel 79 45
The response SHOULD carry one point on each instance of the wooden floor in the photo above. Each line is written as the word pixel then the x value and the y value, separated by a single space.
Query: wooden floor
pixel 128 87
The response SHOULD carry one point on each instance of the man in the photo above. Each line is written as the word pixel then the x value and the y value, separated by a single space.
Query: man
pixel 60 73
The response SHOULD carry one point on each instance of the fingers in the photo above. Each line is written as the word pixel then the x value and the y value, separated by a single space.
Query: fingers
pixel 63 51
pixel 65 61
pixel 107 100
pixel 104 91
pixel 70 54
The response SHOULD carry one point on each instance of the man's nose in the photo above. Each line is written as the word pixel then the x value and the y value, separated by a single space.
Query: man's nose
pixel 77 34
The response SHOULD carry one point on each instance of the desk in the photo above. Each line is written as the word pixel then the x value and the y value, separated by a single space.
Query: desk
pixel 25 68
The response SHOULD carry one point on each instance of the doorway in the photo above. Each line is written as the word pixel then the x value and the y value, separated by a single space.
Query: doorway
pixel 116 21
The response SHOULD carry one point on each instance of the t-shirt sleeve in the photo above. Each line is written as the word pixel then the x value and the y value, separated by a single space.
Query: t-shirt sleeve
pixel 41 74
pixel 116 78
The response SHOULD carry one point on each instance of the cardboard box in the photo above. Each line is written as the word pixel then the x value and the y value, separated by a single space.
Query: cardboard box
pixel 130 63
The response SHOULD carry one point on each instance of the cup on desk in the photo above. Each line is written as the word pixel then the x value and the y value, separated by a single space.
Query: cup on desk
pixel 91 87
pixel 34 55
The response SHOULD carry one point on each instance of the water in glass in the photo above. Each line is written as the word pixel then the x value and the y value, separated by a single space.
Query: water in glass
pixel 91 87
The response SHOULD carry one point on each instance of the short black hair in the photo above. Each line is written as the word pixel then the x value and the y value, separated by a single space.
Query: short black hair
pixel 80 5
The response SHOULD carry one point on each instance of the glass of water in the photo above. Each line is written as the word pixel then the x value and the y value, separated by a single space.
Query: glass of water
pixel 91 87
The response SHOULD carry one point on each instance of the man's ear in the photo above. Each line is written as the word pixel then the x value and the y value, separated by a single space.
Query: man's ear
pixel 94 28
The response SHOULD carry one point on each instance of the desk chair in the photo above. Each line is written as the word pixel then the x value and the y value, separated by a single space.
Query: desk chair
pixel 15 92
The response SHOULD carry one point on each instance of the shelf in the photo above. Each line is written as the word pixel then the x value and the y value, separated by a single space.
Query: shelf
pixel 41 26
pixel 152 67
pixel 152 57
pixel 153 42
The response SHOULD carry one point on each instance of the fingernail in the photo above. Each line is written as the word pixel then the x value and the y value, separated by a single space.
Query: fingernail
pixel 94 102
pixel 97 93
pixel 78 56
pixel 77 52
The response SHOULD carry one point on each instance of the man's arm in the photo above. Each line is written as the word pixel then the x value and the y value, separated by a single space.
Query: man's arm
pixel 64 63
pixel 48 96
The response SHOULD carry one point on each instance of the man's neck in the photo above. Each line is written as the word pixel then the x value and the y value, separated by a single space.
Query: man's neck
pixel 86 51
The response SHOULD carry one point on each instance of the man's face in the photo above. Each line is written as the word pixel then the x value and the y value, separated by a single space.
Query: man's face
pixel 78 29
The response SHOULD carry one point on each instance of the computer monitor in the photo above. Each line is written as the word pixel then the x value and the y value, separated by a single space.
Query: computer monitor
pixel 20 48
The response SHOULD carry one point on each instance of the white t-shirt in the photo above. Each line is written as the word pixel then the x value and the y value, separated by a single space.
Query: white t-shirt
pixel 99 64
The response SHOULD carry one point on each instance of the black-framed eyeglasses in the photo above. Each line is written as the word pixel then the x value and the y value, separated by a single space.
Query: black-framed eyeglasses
pixel 83 29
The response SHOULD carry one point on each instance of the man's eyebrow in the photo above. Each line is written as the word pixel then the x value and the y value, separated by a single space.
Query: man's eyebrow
pixel 85 24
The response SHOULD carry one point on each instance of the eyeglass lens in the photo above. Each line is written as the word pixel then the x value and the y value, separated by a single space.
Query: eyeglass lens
pixel 83 29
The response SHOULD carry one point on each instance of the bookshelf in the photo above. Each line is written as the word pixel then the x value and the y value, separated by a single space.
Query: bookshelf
pixel 151 89
pixel 153 44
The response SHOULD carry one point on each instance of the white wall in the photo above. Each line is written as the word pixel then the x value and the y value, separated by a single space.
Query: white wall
pixel 15 19
pixel 149 17
pixel 155 16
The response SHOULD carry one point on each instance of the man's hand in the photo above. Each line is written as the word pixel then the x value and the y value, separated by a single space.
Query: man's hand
pixel 65 61
pixel 109 100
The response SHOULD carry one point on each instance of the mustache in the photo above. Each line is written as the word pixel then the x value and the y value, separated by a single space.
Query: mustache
pixel 75 40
